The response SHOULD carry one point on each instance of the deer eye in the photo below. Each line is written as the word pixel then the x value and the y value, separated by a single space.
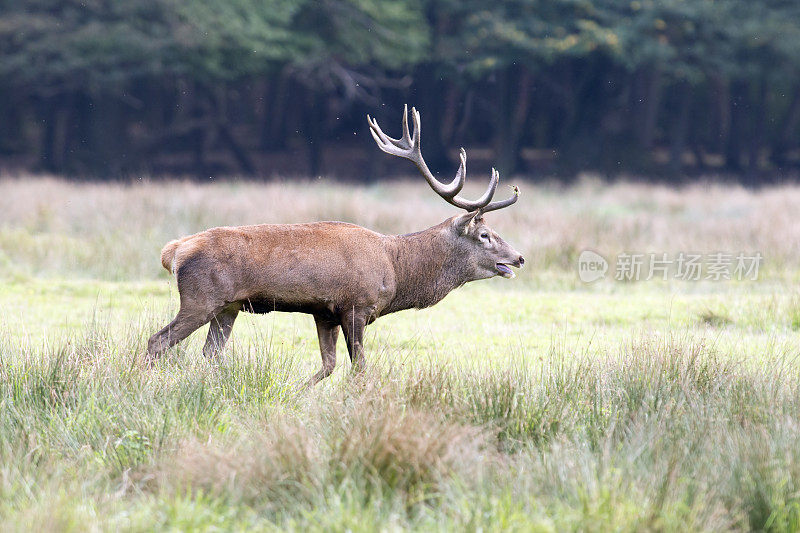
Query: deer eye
pixel 485 236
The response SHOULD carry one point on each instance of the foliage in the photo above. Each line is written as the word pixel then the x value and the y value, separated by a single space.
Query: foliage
pixel 56 45
pixel 575 65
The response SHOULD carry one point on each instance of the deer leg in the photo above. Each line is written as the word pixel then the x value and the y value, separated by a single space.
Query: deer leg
pixel 184 323
pixel 219 330
pixel 353 324
pixel 328 333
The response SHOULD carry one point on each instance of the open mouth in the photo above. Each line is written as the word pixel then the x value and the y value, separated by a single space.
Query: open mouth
pixel 505 270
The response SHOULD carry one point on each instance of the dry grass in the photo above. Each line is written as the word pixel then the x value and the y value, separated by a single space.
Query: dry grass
pixel 114 231
pixel 360 437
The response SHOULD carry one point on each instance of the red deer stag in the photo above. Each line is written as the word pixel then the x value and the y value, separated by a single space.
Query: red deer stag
pixel 344 275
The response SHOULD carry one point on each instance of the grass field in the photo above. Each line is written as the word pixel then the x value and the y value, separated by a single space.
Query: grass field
pixel 534 404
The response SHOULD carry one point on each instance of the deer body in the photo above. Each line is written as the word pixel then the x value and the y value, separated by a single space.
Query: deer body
pixel 312 267
pixel 344 275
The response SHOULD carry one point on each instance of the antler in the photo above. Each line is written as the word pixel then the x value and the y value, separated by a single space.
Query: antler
pixel 408 147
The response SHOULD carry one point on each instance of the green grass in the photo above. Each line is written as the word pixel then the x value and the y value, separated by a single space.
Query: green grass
pixel 504 407
pixel 534 404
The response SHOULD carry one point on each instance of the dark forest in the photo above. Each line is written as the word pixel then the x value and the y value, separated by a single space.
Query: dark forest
pixel 668 89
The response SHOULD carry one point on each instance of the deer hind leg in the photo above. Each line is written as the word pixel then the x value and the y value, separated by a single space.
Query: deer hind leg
pixel 353 324
pixel 184 323
pixel 219 330
pixel 200 289
pixel 191 316
pixel 328 333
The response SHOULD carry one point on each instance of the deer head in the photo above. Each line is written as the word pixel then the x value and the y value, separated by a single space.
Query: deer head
pixel 483 252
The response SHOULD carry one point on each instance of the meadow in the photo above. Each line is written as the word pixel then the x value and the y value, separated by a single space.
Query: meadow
pixel 540 403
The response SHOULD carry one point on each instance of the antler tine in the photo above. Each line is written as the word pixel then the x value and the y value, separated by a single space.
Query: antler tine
pixel 381 140
pixel 502 203
pixel 402 144
pixel 406 135
pixel 408 147
pixel 483 201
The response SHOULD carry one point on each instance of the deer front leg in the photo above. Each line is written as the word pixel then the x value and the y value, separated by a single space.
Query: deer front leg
pixel 328 333
pixel 219 330
pixel 353 324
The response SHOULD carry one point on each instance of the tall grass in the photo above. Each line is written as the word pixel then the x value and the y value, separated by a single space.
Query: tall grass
pixel 665 434
pixel 651 428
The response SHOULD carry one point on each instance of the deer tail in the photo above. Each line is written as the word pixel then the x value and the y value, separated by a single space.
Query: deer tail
pixel 168 255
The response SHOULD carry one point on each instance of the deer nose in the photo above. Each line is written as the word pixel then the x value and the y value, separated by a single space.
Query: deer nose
pixel 521 260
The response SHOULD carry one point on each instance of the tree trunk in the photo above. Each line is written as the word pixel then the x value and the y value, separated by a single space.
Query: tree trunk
pixel 427 91
pixel 650 107
pixel 11 127
pixel 314 130
pixel 513 99
pixel 680 126
pixel 106 155
pixel 264 112
pixel 273 134
pixel 719 90
pixel 738 121
pixel 788 130
pixel 238 152
pixel 219 116
pixel 48 158
pixel 756 135
pixel 450 113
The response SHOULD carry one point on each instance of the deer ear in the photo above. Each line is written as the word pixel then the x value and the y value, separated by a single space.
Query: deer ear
pixel 463 223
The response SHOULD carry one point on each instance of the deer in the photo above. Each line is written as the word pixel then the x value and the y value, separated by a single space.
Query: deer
pixel 345 275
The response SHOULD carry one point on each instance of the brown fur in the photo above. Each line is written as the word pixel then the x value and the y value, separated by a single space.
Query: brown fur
pixel 343 274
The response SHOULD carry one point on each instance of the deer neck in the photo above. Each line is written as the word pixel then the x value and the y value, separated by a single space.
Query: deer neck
pixel 427 267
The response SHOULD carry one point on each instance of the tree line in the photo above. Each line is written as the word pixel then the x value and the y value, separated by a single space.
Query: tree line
pixel 112 88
